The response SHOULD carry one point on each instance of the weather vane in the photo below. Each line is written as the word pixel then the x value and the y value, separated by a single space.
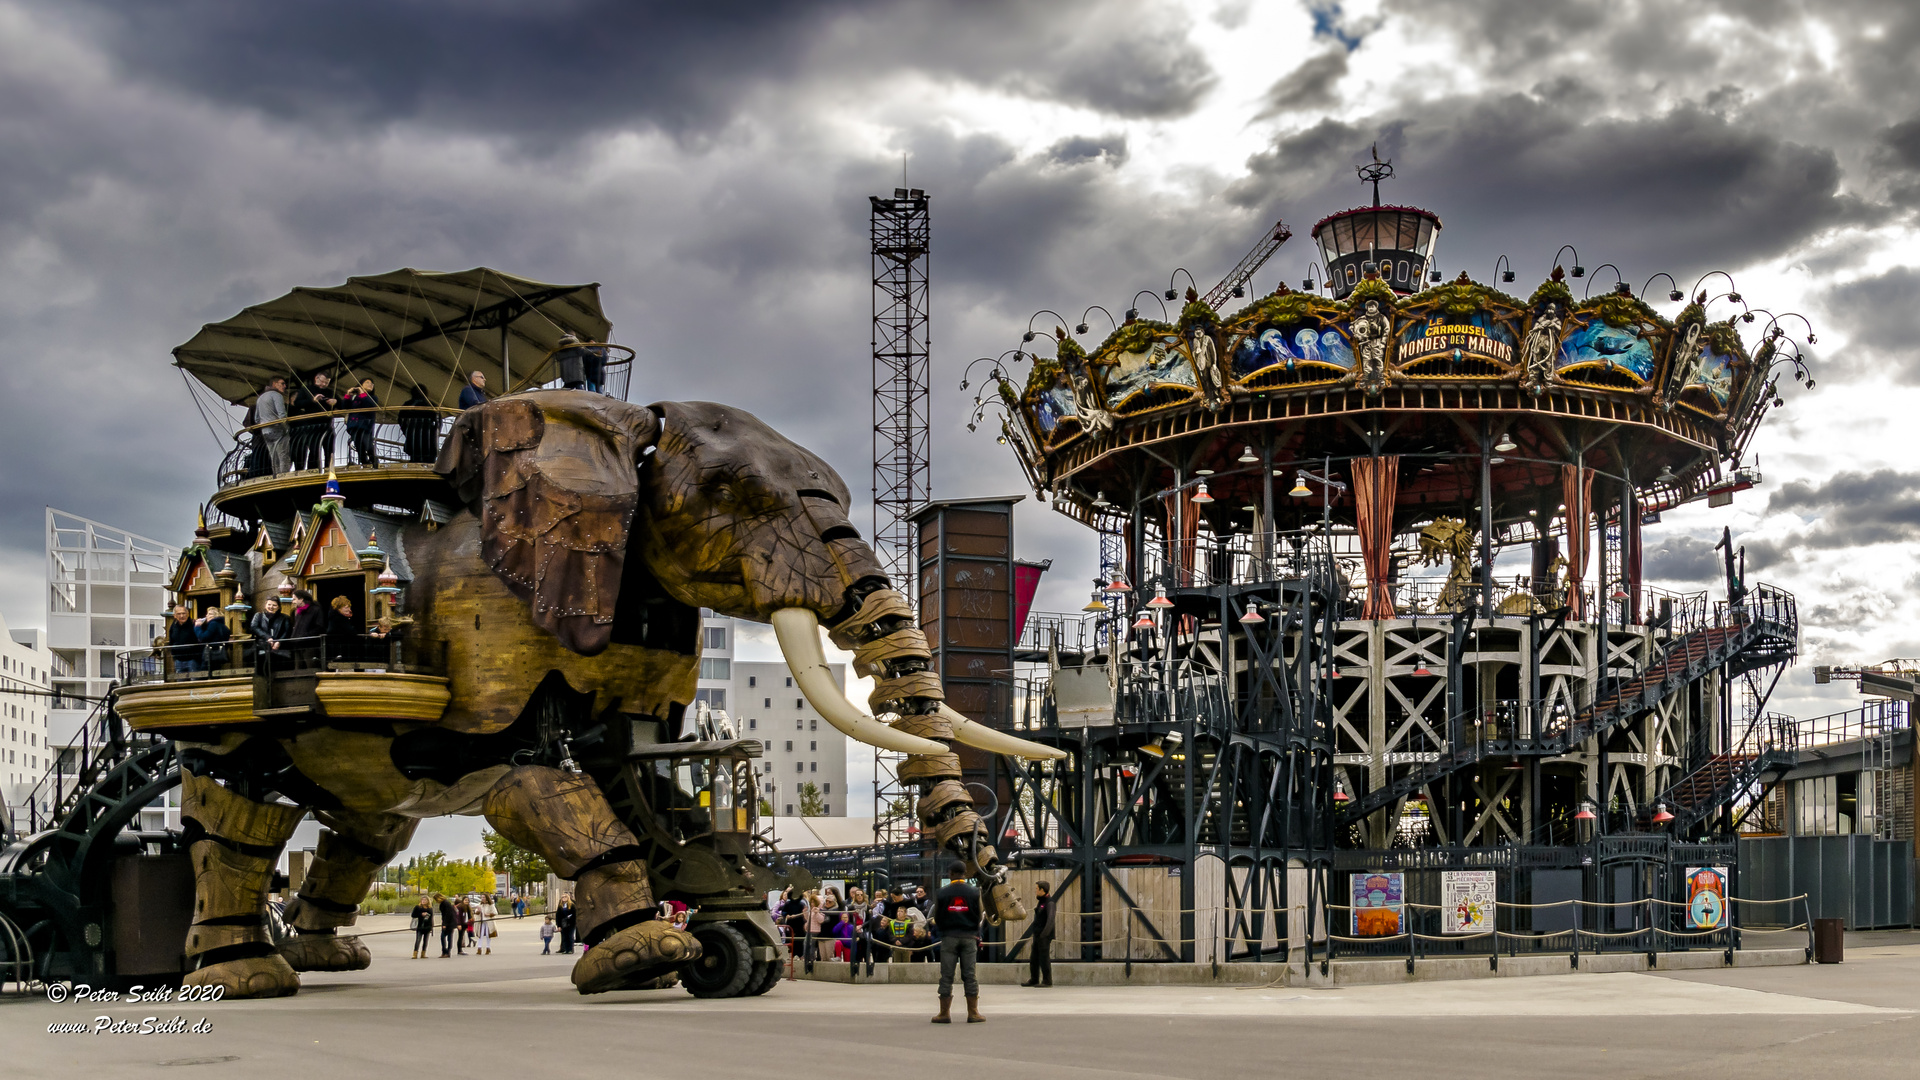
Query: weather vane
pixel 1375 171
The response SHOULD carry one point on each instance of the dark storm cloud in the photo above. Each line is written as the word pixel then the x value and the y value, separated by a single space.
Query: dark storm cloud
pixel 541 72
pixel 1877 315
pixel 1684 191
pixel 1848 510
pixel 1680 557
pixel 1108 149
pixel 1309 86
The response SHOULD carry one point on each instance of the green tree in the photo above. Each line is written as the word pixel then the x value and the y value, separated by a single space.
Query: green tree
pixel 811 804
pixel 509 858
pixel 766 808
pixel 435 873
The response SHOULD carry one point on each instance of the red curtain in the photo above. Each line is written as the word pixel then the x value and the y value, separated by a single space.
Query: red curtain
pixel 1181 544
pixel 1576 490
pixel 1376 481
pixel 1630 542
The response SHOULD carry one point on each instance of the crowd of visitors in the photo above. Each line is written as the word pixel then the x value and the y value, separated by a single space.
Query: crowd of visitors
pixel 291 425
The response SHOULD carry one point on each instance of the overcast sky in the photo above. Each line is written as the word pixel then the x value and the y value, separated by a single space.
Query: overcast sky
pixel 164 164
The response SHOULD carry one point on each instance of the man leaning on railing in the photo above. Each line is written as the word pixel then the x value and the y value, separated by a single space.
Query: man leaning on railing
pixel 270 413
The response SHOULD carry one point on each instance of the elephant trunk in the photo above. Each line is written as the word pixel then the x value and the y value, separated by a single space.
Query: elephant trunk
pixel 888 646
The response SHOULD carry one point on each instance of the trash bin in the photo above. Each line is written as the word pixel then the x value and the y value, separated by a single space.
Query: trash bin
pixel 1829 941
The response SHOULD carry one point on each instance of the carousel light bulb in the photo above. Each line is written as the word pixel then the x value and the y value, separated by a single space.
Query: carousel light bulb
pixel 1144 622
pixel 1247 456
pixel 1300 490
pixel 1100 501
pixel 1159 598
pixel 1201 496
pixel 1506 443
pixel 1080 328
pixel 1252 617
pixel 1095 604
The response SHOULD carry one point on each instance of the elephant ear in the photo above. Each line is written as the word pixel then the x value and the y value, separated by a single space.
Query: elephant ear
pixel 553 476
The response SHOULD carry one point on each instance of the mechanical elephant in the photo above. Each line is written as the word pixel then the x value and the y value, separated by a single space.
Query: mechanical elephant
pixel 562 599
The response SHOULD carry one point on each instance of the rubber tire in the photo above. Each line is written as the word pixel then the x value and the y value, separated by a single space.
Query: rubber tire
pixel 725 964
pixel 768 973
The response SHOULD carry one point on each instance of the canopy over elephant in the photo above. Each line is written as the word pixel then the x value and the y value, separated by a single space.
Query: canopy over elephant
pixel 564 596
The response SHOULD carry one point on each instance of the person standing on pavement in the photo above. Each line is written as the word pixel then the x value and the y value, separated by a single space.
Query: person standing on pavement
pixel 546 936
pixel 563 918
pixel 449 921
pixel 1040 942
pixel 957 913
pixel 422 927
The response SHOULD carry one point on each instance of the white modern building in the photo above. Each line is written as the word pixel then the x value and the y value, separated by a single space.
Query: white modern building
pixel 106 594
pixel 765 704
pixel 24 750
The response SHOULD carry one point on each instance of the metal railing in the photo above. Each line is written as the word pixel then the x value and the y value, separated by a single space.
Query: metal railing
pixel 340 439
pixel 246 657
pixel 1870 720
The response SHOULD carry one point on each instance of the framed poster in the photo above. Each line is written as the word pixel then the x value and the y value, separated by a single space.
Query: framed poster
pixel 1379 904
pixel 1706 897
pixel 1466 901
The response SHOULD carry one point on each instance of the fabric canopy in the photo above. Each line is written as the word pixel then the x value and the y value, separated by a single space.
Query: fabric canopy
pixel 1375 481
pixel 406 329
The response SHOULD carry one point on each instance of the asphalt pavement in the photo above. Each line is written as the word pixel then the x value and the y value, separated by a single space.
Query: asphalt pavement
pixel 514 1013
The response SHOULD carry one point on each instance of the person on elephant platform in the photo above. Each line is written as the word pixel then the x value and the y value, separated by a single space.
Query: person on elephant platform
pixel 183 642
pixel 270 626
pixel 343 631
pixel 309 623
pixel 474 394
pixel 360 402
pixel 213 633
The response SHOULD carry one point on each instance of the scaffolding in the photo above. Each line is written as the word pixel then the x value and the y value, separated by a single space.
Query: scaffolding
pixel 901 369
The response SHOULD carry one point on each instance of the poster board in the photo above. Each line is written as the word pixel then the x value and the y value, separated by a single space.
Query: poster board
pixel 1379 905
pixel 1706 897
pixel 1467 901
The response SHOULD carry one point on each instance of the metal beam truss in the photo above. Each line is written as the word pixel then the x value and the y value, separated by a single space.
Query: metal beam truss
pixel 901 369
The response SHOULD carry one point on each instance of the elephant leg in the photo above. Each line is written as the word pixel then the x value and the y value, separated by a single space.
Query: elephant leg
pixel 888 645
pixel 566 819
pixel 351 851
pixel 236 844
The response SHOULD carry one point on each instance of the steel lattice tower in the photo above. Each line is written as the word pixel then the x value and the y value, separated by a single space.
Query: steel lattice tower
pixel 901 474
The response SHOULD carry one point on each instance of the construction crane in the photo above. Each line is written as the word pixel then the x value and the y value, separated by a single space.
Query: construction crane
pixel 1235 283
pixel 1898 679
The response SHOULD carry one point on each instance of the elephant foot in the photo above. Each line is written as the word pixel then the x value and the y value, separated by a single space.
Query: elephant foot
pixel 635 957
pixel 1003 903
pixel 325 952
pixel 254 977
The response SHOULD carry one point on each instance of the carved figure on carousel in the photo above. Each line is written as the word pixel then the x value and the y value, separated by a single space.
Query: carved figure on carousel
pixel 1449 538
pixel 1542 348
pixel 1087 402
pixel 1369 332
pixel 1206 365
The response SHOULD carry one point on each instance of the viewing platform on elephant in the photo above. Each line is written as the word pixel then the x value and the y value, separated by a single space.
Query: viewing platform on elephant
pixel 372 676
pixel 384 455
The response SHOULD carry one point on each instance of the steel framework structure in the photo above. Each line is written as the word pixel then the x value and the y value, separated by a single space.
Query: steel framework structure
pixel 902 477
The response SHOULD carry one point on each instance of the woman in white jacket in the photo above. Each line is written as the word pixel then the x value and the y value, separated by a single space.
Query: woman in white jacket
pixel 483 916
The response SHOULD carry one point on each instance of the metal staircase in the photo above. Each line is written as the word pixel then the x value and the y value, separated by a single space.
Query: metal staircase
pixel 1760 631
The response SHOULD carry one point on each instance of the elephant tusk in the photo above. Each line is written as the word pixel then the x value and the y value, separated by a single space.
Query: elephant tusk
pixel 982 737
pixel 798 631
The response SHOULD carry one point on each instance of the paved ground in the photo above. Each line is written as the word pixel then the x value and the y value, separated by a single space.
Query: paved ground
pixel 515 1011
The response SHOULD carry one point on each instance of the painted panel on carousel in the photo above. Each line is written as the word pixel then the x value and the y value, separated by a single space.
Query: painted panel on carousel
pixel 1459 330
pixel 1144 366
pixel 1707 361
pixel 1289 339
pixel 1610 343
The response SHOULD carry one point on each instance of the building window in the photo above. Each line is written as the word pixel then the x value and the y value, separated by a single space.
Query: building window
pixel 789 746
pixel 766 703
pixel 799 703
pixel 789 680
pixel 716 637
pixel 814 746
pixel 826 788
pixel 813 725
pixel 826 808
pixel 715 699
pixel 789 814
pixel 716 668
pixel 813 766
pixel 799 767
pixel 752 681
pixel 752 723
pixel 799 724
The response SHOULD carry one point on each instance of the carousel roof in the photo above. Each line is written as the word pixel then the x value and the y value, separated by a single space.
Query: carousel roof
pixel 406 329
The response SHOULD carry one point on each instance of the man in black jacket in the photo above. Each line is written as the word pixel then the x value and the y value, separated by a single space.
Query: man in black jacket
pixel 1040 958
pixel 449 918
pixel 956 910
pixel 183 642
